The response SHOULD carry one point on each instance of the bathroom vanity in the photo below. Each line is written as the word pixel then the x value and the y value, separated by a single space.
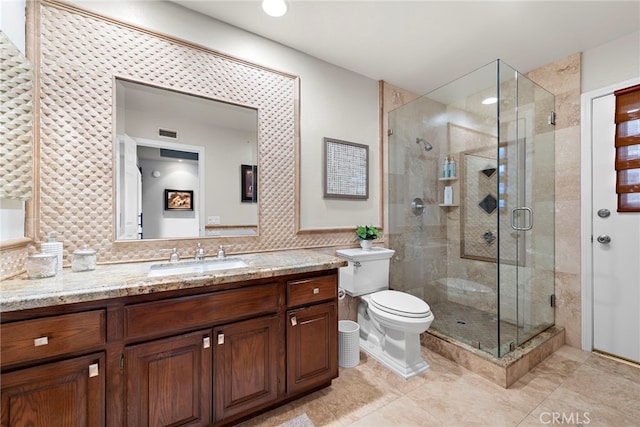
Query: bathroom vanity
pixel 116 347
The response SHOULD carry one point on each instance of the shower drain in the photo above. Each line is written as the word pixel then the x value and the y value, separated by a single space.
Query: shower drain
pixel 461 322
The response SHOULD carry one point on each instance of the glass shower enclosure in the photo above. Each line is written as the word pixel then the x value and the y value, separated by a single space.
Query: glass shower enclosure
pixel 471 207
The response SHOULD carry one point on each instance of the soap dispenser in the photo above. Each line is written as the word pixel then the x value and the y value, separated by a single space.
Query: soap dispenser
pixel 51 246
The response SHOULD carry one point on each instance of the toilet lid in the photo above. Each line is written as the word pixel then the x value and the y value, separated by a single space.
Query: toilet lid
pixel 400 304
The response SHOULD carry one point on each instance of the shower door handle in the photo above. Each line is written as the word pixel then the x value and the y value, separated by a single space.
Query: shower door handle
pixel 514 222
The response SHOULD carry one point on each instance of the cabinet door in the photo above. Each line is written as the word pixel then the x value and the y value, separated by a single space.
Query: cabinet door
pixel 312 346
pixel 169 381
pixel 245 364
pixel 66 393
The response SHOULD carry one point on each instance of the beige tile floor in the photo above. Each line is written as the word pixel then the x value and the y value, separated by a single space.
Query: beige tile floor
pixel 570 387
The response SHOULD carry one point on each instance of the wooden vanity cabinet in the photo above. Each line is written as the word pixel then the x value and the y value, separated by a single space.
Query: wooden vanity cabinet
pixel 69 391
pixel 312 333
pixel 66 393
pixel 245 366
pixel 169 381
pixel 202 356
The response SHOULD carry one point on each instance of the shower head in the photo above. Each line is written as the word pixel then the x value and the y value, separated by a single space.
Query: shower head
pixel 427 146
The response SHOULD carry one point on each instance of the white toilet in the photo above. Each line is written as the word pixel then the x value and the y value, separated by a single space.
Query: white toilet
pixel 390 321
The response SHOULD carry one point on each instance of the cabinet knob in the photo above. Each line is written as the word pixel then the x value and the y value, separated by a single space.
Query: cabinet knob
pixel 206 342
pixel 294 321
pixel 220 339
pixel 316 291
pixel 41 341
pixel 93 370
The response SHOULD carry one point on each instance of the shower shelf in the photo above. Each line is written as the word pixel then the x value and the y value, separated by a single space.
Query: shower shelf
pixel 451 178
pixel 448 205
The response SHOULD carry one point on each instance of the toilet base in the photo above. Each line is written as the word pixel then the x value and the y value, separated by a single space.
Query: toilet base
pixel 404 368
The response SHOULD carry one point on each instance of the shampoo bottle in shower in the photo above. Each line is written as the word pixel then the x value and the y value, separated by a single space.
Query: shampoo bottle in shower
pixel 445 167
pixel 452 168
pixel 448 195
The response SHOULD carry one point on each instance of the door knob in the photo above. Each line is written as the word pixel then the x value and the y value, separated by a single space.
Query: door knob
pixel 604 239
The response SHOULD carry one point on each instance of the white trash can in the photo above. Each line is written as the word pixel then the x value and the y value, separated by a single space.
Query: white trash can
pixel 349 333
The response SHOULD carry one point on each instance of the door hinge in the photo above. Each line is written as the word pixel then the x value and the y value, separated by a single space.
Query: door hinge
pixel 552 300
pixel 551 119
pixel 389 132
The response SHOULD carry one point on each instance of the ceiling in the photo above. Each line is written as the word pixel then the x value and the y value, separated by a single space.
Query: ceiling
pixel 163 102
pixel 421 45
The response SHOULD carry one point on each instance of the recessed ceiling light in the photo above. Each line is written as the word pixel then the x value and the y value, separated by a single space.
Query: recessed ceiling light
pixel 274 7
pixel 490 100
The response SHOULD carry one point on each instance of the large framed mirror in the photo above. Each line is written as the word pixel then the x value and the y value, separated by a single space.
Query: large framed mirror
pixel 171 144
pixel 79 194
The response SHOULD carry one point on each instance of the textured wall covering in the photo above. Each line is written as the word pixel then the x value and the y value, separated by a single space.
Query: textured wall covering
pixel 16 122
pixel 80 54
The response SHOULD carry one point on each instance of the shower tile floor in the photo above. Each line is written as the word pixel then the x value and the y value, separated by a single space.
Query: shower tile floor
pixel 468 324
pixel 571 386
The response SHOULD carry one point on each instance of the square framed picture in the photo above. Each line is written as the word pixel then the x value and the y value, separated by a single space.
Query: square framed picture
pixel 178 200
pixel 346 170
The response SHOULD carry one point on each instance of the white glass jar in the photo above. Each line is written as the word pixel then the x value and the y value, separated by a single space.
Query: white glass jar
pixel 83 259
pixel 42 265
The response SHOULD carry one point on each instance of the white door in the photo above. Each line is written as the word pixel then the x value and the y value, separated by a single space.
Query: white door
pixel 130 205
pixel 616 265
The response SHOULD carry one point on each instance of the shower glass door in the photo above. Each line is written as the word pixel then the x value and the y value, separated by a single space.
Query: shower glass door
pixel 526 220
pixel 484 260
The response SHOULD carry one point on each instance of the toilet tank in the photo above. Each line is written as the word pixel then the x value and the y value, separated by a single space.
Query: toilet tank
pixel 367 272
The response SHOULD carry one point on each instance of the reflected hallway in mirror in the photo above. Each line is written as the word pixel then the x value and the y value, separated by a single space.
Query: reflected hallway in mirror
pixel 168 140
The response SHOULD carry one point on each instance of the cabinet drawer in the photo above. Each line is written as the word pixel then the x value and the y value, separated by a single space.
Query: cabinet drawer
pixel 308 291
pixel 52 336
pixel 181 314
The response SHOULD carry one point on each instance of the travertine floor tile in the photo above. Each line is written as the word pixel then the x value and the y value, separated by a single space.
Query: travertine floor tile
pixel 575 409
pixel 401 412
pixel 570 387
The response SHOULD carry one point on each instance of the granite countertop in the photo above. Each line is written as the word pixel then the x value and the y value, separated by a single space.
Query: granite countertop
pixel 120 280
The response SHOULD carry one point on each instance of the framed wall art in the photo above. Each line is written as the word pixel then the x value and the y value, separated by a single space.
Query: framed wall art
pixel 249 183
pixel 346 170
pixel 178 200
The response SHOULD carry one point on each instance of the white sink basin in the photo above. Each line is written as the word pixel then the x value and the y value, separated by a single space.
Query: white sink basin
pixel 195 267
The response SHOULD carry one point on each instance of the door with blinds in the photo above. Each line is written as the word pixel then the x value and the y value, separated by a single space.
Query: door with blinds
pixel 616 224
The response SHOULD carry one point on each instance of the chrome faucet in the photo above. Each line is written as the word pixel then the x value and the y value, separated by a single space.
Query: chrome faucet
pixel 199 256
pixel 221 253
pixel 174 257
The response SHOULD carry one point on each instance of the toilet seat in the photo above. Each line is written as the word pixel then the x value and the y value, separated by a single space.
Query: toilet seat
pixel 400 304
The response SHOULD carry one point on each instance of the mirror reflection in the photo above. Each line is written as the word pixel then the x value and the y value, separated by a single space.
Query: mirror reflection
pixel 186 165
